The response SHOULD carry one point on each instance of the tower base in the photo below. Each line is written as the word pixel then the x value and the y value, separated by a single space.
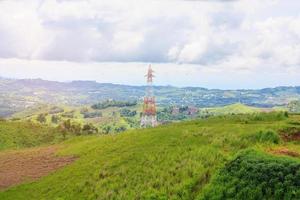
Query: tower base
pixel 148 121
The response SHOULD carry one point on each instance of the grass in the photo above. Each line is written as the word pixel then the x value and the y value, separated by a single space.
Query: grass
pixel 174 161
pixel 237 108
pixel 15 135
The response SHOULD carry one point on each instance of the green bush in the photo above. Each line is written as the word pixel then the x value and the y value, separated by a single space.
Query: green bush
pixel 255 175
pixel 265 136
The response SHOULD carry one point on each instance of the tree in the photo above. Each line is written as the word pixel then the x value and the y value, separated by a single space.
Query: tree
pixel 127 113
pixel 107 129
pixel 41 118
pixel 89 129
pixel 120 129
pixel 55 119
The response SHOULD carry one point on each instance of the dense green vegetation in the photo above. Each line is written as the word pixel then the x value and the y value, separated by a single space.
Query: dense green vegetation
pixel 174 113
pixel 113 103
pixel 256 175
pixel 174 161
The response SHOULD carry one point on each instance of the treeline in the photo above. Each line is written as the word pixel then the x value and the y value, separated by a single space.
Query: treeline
pixel 113 103
pixel 127 113
pixel 172 113
pixel 76 128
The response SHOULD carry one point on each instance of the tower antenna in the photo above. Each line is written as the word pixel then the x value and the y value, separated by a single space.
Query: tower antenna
pixel 149 118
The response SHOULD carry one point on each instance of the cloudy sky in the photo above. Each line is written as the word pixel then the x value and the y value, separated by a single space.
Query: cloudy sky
pixel 207 43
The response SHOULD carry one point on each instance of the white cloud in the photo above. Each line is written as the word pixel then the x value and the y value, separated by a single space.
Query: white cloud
pixel 257 36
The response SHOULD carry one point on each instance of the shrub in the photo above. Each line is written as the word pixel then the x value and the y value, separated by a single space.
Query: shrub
pixel 255 175
pixel 92 114
pixel 55 119
pixel 120 129
pixel 68 114
pixel 89 129
pixel 42 118
pixel 55 110
pixel 263 136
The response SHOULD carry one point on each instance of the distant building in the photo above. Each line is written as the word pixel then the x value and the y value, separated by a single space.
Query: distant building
pixel 175 110
pixel 192 110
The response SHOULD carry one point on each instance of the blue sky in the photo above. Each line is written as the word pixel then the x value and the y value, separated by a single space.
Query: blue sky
pixel 214 44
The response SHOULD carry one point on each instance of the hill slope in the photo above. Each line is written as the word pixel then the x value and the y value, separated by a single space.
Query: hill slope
pixel 15 135
pixel 168 162
pixel 237 108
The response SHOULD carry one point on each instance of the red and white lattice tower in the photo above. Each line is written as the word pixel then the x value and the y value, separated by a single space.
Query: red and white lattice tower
pixel 149 107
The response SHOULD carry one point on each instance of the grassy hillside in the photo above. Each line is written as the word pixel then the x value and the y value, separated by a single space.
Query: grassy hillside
pixel 110 116
pixel 14 135
pixel 237 108
pixel 174 161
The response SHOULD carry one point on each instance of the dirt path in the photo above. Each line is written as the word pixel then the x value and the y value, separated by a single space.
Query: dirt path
pixel 27 165
pixel 285 151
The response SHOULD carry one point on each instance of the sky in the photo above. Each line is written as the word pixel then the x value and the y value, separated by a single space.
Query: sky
pixel 226 44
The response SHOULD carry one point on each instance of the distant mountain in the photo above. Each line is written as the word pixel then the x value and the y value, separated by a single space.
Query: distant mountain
pixel 19 94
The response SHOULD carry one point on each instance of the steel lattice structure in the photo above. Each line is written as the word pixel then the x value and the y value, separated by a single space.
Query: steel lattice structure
pixel 149 107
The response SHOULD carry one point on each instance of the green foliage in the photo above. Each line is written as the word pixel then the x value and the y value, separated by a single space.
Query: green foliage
pixel 56 110
pixel 74 128
pixel 107 129
pixel 55 119
pixel 255 175
pixel 120 129
pixel 92 114
pixel 113 103
pixel 264 136
pixel 127 113
pixel 42 118
pixel 89 129
pixel 169 114
pixel 69 114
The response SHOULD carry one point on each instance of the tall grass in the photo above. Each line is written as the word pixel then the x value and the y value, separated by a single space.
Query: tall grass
pixel 174 161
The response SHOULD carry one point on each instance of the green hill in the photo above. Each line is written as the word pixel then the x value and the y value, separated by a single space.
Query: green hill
pixel 237 108
pixel 175 161
pixel 15 135
pixel 100 118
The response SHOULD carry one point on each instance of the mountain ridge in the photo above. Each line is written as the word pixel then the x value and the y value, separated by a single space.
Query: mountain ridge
pixel 19 94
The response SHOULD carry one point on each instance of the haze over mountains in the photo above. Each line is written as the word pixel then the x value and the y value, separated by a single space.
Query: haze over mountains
pixel 19 94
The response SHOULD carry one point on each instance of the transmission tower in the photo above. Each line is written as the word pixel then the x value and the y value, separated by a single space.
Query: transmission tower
pixel 149 107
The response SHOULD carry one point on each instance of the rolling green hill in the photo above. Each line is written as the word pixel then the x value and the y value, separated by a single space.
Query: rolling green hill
pixel 175 161
pixel 101 118
pixel 15 135
pixel 237 108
